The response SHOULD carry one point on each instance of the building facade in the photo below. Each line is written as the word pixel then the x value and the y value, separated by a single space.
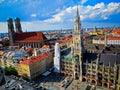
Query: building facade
pixel 99 65
pixel 27 39
pixel 35 66
pixel 67 66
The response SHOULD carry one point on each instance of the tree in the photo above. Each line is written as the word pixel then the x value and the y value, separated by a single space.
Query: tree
pixel 11 71
pixel 89 41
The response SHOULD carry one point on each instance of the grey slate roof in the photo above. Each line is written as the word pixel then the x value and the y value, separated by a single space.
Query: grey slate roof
pixel 110 58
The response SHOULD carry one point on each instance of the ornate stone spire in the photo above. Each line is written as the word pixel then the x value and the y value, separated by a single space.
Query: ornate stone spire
pixel 77 48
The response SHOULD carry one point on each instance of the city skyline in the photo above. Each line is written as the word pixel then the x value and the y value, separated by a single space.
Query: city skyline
pixel 39 15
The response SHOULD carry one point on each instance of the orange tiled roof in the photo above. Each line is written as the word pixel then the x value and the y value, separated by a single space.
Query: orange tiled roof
pixel 101 36
pixel 1 52
pixel 69 39
pixel 113 38
pixel 30 37
pixel 60 45
pixel 45 46
pixel 36 58
pixel 116 31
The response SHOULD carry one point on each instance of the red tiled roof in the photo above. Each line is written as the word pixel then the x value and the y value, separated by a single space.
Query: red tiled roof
pixel 69 39
pixel 60 45
pixel 45 46
pixel 107 29
pixel 116 31
pixel 1 53
pixel 113 38
pixel 36 58
pixel 30 49
pixel 30 37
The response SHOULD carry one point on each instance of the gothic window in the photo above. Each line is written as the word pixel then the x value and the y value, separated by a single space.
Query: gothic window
pixel 77 58
pixel 77 44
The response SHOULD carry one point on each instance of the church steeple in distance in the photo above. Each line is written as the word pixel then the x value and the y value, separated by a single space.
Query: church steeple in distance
pixel 77 48
pixel 11 31
pixel 18 25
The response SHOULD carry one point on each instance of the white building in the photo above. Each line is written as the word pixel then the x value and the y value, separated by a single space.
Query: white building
pixel 116 42
pixel 109 40
pixel 57 58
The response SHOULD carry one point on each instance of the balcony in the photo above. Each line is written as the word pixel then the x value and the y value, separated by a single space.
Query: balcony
pixel 89 71
pixel 111 77
pixel 106 74
pixel 88 75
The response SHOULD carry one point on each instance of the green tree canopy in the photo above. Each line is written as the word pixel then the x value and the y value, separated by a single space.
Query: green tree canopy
pixel 10 71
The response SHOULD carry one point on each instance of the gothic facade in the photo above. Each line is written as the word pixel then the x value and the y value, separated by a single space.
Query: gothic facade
pixel 97 64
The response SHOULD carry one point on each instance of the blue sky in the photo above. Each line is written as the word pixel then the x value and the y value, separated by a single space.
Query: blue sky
pixel 37 15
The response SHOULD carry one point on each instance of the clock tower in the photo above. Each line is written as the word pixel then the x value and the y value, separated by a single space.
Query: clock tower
pixel 77 48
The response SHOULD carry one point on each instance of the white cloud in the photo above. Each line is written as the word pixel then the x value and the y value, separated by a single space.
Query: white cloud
pixel 35 26
pixel 99 11
pixel 40 26
pixel 33 15
pixel 111 8
pixel 99 6
pixel 62 15
pixel 83 1
pixel 3 27
pixel 65 18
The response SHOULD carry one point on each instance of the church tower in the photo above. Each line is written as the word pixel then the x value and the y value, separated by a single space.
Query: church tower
pixel 77 48
pixel 18 25
pixel 11 31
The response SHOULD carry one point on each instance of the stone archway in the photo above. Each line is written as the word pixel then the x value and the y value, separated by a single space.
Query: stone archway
pixel 112 81
pixel 76 76
pixel 66 74
pixel 84 79
pixel 111 86
pixel 93 82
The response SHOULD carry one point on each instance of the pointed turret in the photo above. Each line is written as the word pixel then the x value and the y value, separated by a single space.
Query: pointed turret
pixel 77 15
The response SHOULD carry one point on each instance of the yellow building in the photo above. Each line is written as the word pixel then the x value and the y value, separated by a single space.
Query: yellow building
pixel 96 32
pixel 35 66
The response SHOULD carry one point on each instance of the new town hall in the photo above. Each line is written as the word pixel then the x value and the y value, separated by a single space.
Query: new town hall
pixel 98 64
